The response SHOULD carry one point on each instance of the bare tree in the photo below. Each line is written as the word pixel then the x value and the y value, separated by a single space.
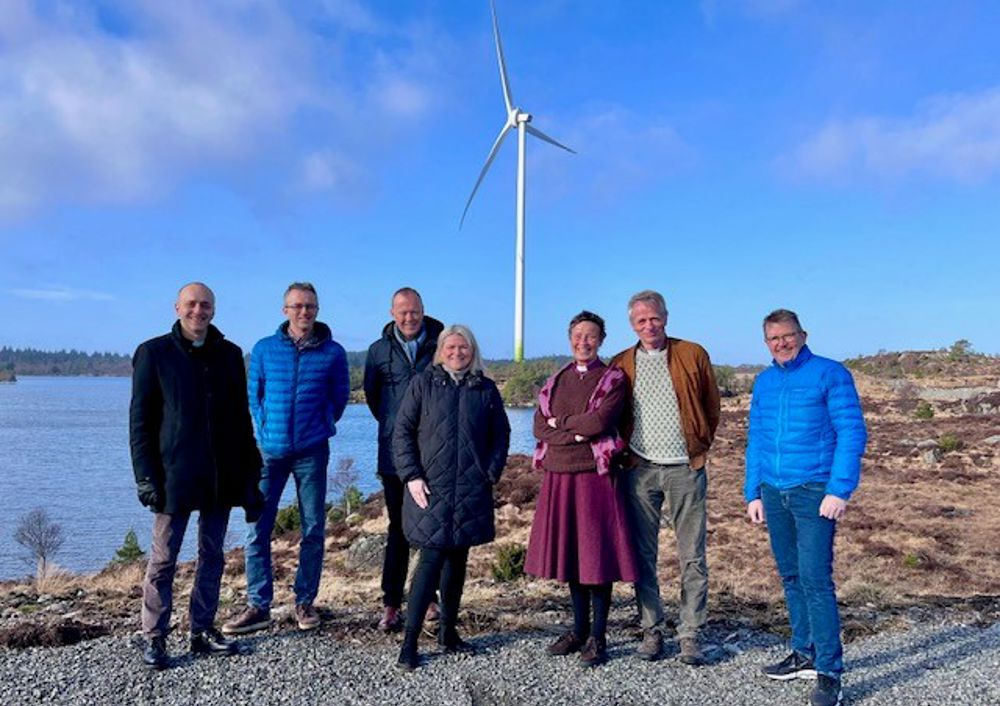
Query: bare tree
pixel 344 483
pixel 42 537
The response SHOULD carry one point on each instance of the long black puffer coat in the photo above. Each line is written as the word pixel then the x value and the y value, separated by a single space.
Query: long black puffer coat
pixel 454 436
pixel 189 424
pixel 388 372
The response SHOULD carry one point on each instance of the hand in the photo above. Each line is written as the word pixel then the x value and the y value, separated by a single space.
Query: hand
pixel 419 490
pixel 254 506
pixel 755 511
pixel 832 507
pixel 551 421
pixel 149 495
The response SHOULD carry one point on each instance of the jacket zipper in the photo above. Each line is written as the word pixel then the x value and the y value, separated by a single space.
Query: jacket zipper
pixel 295 386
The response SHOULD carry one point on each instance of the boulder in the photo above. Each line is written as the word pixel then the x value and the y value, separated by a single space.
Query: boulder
pixel 366 553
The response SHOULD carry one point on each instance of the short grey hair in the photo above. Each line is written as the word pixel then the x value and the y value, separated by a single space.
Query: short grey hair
pixel 465 332
pixel 648 296
pixel 782 316
pixel 302 287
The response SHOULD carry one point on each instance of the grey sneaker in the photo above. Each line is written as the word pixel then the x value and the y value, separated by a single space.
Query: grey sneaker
pixel 651 646
pixel 306 616
pixel 827 692
pixel 691 652
pixel 794 666
pixel 251 619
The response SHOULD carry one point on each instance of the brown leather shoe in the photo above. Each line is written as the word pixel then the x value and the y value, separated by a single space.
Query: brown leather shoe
pixel 594 652
pixel 306 616
pixel 567 643
pixel 651 646
pixel 250 620
pixel 392 620
pixel 691 652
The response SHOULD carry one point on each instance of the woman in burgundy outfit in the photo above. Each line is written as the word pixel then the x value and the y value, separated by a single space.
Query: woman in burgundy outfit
pixel 580 533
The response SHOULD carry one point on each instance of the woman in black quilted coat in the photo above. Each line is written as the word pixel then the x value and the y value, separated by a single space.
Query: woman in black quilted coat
pixel 449 446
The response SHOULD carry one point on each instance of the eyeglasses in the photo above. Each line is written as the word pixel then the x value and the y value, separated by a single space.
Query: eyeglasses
pixel 784 338
pixel 302 307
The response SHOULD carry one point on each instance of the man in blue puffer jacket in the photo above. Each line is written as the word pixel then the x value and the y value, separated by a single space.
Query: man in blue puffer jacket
pixel 803 461
pixel 298 388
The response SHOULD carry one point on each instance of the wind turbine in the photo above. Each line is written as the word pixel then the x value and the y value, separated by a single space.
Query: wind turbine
pixel 516 119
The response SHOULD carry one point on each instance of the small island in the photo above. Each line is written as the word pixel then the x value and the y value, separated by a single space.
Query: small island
pixel 7 375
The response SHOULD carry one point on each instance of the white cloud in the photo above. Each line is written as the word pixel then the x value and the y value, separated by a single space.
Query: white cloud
pixel 952 137
pixel 60 293
pixel 95 115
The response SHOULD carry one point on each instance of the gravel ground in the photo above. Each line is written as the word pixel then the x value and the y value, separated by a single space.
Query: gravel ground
pixel 930 663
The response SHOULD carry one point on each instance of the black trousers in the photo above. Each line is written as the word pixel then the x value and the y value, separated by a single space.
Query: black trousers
pixel 436 567
pixel 397 549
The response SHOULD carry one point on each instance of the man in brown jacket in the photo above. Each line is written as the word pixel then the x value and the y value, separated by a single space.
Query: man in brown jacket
pixel 668 429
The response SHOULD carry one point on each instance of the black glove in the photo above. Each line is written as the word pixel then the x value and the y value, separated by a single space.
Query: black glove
pixel 254 505
pixel 149 495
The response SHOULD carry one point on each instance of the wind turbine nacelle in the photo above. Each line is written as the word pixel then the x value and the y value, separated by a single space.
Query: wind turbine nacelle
pixel 523 117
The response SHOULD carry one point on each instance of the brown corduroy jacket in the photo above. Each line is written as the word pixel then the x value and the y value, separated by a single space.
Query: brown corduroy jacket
pixel 697 397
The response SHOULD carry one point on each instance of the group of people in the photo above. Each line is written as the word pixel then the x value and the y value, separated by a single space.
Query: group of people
pixel 622 447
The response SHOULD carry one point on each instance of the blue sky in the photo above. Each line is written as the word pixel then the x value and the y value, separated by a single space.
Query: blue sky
pixel 841 159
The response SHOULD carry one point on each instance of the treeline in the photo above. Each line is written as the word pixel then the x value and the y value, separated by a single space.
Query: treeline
pixel 30 361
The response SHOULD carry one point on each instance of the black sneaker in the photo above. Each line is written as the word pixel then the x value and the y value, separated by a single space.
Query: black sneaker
pixel 451 643
pixel 211 642
pixel 409 658
pixel 794 666
pixel 155 655
pixel 827 692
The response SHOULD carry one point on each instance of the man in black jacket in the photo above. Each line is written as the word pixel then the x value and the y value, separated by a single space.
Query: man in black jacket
pixel 192 449
pixel 406 348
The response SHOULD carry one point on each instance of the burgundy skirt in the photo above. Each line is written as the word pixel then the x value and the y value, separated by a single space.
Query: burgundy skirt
pixel 580 532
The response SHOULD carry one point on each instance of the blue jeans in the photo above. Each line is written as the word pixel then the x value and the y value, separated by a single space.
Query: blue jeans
pixel 309 470
pixel 802 543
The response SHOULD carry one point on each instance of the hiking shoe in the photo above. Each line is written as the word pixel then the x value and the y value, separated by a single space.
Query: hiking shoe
pixel 392 620
pixel 212 642
pixel 827 692
pixel 567 643
pixel 651 646
pixel 690 652
pixel 594 652
pixel 794 666
pixel 306 616
pixel 155 655
pixel 251 619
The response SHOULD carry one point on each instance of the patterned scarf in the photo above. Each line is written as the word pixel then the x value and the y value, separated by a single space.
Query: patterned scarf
pixel 604 448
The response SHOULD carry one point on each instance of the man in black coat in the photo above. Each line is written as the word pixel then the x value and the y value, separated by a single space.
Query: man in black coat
pixel 192 449
pixel 405 349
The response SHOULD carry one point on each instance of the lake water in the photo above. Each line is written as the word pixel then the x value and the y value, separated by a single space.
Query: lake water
pixel 64 447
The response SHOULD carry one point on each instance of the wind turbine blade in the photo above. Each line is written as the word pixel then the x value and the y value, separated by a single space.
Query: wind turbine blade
pixel 504 81
pixel 542 136
pixel 489 160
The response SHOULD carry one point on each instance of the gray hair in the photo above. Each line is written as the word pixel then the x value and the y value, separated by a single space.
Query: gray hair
pixel 782 316
pixel 197 284
pixel 650 297
pixel 461 330
pixel 406 291
pixel 302 287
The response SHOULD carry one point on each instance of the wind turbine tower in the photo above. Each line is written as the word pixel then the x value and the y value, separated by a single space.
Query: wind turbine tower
pixel 519 120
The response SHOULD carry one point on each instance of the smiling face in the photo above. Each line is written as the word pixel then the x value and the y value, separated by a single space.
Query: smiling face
pixel 784 339
pixel 584 341
pixel 456 353
pixel 301 308
pixel 649 324
pixel 408 313
pixel 195 307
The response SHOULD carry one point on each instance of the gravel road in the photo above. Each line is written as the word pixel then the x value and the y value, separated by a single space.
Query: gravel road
pixel 929 663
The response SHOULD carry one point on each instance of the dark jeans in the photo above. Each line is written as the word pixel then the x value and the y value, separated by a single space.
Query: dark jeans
pixel 802 543
pixel 309 470
pixel 158 586
pixel 436 567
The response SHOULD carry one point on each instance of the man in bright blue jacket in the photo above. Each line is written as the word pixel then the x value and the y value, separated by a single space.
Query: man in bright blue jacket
pixel 298 388
pixel 803 461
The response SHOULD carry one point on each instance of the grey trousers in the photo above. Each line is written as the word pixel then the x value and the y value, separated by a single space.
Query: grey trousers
pixel 158 587
pixel 683 490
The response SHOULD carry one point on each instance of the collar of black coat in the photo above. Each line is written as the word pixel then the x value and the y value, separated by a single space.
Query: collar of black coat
pixel 443 377
pixel 320 334
pixel 213 336
pixel 432 326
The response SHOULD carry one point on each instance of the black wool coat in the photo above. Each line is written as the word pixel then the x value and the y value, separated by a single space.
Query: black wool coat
pixel 454 436
pixel 189 423
pixel 388 371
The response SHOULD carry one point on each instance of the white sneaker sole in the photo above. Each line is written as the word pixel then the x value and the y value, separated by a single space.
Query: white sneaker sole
pixel 801 674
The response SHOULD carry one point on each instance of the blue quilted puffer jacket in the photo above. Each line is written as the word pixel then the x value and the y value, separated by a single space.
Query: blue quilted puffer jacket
pixel 806 426
pixel 296 397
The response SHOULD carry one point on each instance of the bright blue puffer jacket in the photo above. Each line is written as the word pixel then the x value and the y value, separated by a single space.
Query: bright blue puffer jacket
pixel 296 397
pixel 806 426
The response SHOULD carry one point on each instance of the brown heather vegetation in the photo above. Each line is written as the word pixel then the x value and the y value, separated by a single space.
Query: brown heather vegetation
pixel 921 535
